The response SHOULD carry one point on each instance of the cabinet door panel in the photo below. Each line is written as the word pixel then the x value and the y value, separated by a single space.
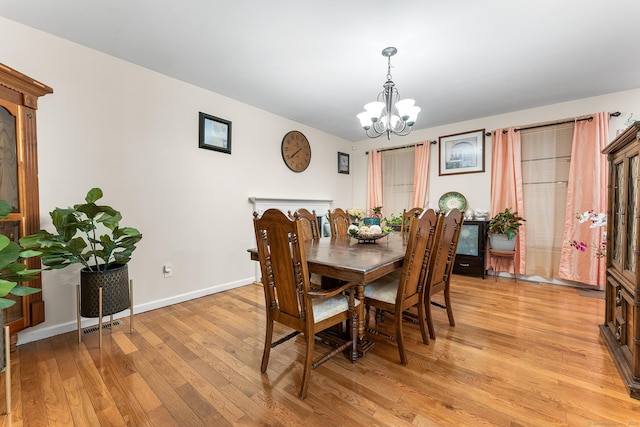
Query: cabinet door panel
pixel 469 242
pixel 617 215
pixel 631 214
pixel 8 157
pixel 470 252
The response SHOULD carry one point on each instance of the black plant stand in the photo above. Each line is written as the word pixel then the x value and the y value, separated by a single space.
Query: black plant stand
pixel 80 329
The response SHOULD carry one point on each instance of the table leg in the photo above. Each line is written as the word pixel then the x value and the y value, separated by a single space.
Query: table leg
pixel 364 344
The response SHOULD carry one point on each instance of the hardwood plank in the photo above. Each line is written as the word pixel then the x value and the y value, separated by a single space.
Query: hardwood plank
pixel 34 410
pixel 58 409
pixel 520 354
pixel 160 376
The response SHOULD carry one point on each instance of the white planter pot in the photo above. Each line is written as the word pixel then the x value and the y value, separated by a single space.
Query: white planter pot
pixel 500 242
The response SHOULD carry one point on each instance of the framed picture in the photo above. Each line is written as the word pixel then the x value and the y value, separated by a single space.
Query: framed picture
pixel 215 133
pixel 462 153
pixel 343 163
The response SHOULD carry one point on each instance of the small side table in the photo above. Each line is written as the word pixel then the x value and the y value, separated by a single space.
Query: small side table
pixel 499 258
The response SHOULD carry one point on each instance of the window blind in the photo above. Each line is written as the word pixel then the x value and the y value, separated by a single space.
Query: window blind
pixel 546 157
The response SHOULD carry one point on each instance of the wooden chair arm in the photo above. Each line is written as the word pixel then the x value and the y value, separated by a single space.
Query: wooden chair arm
pixel 319 293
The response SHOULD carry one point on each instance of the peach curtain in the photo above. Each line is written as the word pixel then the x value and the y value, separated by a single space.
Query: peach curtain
pixel 374 180
pixel 421 175
pixel 586 190
pixel 506 183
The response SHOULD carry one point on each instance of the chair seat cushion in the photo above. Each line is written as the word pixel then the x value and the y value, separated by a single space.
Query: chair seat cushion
pixel 323 309
pixel 384 289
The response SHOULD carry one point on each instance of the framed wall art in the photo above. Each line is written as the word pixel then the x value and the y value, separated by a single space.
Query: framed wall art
pixel 343 163
pixel 462 153
pixel 215 133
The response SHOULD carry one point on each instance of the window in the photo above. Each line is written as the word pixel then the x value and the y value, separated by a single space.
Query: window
pixel 397 180
pixel 546 156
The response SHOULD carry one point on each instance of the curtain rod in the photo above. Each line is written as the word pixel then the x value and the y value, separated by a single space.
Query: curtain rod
pixel 615 114
pixel 403 146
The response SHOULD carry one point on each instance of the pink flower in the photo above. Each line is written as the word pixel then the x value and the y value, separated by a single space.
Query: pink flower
pixel 580 246
pixel 597 220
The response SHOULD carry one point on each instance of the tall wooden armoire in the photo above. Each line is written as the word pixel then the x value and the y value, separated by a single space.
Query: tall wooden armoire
pixel 621 329
pixel 19 180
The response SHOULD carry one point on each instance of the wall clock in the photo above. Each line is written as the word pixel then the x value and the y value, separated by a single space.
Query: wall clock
pixel 296 151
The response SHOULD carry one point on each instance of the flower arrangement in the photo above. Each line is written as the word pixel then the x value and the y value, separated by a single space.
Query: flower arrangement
pixel 356 214
pixel 597 220
pixel 365 230
pixel 368 233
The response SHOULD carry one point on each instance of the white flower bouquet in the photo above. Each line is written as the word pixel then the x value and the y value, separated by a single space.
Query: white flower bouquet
pixel 356 213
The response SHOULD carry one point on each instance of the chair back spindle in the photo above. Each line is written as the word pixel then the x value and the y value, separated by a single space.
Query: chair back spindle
pixel 407 215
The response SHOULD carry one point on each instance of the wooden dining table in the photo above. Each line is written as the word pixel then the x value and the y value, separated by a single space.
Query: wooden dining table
pixel 348 259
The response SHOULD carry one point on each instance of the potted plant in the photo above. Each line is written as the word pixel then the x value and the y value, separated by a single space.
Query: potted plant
pixel 374 217
pixel 90 235
pixel 503 230
pixel 395 222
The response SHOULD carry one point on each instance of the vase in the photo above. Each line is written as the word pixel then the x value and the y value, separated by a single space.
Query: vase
pixel 326 227
pixel 371 221
pixel 115 291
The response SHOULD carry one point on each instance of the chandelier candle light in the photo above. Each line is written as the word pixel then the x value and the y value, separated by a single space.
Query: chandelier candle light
pixel 389 114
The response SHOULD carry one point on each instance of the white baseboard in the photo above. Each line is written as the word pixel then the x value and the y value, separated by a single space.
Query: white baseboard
pixel 37 333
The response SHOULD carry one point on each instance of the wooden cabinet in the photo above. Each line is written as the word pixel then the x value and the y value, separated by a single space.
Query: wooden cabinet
pixel 19 179
pixel 621 330
pixel 470 255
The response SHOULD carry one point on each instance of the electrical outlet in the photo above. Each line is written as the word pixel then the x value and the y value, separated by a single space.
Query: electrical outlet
pixel 167 270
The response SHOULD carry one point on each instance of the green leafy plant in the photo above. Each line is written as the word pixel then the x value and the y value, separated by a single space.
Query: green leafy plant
pixel 12 269
pixel 393 220
pixel 505 222
pixel 79 239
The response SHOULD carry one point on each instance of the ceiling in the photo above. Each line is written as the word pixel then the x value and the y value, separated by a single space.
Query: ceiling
pixel 318 63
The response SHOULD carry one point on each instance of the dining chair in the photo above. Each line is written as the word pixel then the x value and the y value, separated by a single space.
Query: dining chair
pixel 289 300
pixel 407 215
pixel 310 228
pixel 340 221
pixel 399 295
pixel 439 277
pixel 311 232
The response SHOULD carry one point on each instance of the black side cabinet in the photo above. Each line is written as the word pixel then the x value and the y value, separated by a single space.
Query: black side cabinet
pixel 470 255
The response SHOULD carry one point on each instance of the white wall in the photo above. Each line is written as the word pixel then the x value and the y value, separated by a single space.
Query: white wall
pixel 476 186
pixel 134 133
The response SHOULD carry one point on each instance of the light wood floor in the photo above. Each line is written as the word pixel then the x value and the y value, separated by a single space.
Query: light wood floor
pixel 521 354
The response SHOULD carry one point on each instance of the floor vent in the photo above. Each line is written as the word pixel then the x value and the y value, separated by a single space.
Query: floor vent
pixel 104 326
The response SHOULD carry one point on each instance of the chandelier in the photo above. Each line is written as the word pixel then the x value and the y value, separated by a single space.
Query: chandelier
pixel 389 114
